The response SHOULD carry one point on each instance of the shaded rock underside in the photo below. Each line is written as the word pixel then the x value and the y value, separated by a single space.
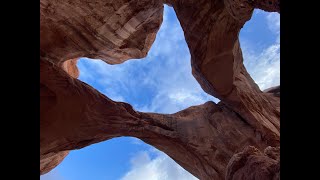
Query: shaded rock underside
pixel 237 138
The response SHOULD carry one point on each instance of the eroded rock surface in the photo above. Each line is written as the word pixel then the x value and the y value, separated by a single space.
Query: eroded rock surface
pixel 253 164
pixel 110 30
pixel 211 141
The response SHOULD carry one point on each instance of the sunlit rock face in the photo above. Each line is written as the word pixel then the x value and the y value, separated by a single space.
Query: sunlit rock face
pixel 211 141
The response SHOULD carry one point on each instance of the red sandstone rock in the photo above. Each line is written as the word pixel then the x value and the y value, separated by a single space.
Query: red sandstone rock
pixel 201 138
pixel 51 160
pixel 251 164
pixel 110 30
pixel 217 64
pixel 275 91
pixel 211 141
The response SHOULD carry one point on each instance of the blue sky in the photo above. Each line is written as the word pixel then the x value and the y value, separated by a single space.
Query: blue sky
pixel 162 82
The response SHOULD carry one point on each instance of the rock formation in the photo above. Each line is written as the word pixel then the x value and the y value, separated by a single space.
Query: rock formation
pixel 211 141
pixel 253 164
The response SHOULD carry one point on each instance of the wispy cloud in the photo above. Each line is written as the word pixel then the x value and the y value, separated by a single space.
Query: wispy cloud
pixel 264 67
pixel 135 141
pixel 160 167
pixel 273 20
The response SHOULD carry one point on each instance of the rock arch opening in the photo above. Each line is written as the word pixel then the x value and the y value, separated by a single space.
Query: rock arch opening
pixel 205 139
pixel 161 82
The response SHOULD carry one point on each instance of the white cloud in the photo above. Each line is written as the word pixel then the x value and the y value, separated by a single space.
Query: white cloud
pixel 161 167
pixel 264 67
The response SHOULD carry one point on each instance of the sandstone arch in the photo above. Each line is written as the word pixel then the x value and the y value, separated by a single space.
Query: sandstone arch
pixel 206 140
